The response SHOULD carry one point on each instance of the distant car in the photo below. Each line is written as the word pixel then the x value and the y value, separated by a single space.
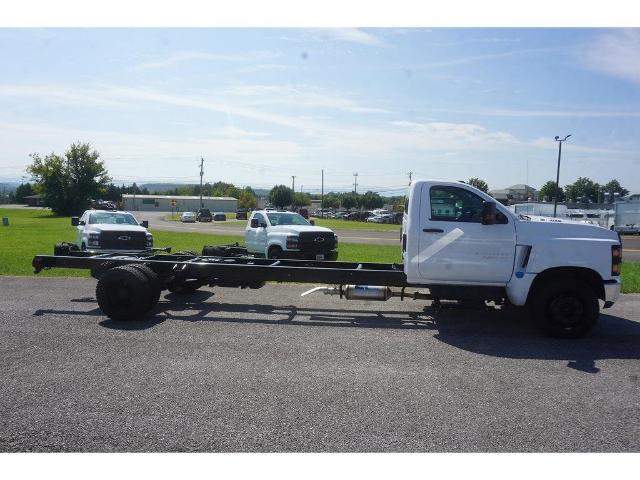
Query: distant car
pixel 188 217
pixel 241 214
pixel 204 215
pixel 219 217
pixel 385 218
pixel 397 218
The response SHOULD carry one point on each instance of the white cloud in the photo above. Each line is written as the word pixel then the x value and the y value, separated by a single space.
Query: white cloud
pixel 545 113
pixel 301 96
pixel 353 35
pixel 177 58
pixel 616 54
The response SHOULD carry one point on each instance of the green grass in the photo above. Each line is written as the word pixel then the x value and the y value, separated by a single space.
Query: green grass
pixel 33 232
pixel 630 277
pixel 338 224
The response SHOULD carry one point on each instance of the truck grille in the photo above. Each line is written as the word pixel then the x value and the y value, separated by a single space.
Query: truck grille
pixel 123 240
pixel 322 241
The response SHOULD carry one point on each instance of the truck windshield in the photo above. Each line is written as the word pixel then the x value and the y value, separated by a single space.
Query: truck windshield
pixel 112 218
pixel 286 219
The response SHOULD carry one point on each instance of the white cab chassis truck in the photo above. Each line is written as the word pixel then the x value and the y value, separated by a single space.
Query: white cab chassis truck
pixel 458 246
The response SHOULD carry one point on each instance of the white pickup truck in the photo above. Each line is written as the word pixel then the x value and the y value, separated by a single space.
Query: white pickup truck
pixel 277 234
pixel 456 237
pixel 107 230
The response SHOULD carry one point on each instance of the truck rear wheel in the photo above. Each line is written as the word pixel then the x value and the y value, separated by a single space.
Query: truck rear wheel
pixel 124 293
pixel 154 282
pixel 565 308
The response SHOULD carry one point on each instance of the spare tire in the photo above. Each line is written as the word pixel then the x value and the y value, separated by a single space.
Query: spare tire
pixel 124 293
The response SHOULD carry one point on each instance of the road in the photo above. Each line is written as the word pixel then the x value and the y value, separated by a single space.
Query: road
pixel 266 370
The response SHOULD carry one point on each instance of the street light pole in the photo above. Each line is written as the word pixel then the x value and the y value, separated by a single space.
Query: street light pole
pixel 555 200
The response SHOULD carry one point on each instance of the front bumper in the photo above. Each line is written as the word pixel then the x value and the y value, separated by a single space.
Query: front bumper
pixel 611 291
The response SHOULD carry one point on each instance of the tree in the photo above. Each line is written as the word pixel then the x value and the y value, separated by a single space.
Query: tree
pixel 331 200
pixel 614 187
pixel 247 200
pixel 281 196
pixel 23 190
pixel 68 183
pixel 301 199
pixel 479 184
pixel 583 189
pixel 349 200
pixel 548 191
pixel 372 200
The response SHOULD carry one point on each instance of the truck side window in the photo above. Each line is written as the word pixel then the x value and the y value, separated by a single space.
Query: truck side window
pixel 454 204
pixel 260 218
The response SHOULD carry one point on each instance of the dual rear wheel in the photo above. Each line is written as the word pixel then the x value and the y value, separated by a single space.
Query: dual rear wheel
pixel 128 292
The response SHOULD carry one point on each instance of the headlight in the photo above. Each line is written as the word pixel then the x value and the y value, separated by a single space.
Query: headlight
pixel 292 242
pixel 149 240
pixel 94 239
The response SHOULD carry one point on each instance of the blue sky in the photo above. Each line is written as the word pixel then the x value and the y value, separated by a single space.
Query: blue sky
pixel 261 105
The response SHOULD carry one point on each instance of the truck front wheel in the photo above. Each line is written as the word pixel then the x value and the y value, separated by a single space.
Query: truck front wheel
pixel 565 308
pixel 275 252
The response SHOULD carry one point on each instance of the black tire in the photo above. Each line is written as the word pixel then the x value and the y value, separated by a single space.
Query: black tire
pixel 61 249
pixel 154 283
pixel 212 251
pixel 565 308
pixel 183 288
pixel 331 256
pixel 124 293
pixel 275 252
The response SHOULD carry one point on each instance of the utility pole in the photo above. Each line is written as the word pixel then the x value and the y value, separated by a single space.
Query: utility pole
pixel 322 197
pixel 201 174
pixel 355 183
pixel 293 183
pixel 410 173
pixel 555 201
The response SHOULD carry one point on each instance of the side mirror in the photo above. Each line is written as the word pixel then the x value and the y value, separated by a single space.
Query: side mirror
pixel 312 222
pixel 145 223
pixel 488 213
pixel 254 223
pixel 75 221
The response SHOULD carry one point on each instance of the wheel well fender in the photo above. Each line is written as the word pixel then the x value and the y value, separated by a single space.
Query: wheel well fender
pixel 586 275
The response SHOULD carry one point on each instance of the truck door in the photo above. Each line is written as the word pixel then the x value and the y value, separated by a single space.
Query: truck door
pixel 454 244
pixel 255 238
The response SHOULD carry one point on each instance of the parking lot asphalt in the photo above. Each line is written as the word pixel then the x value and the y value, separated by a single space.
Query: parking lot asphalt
pixel 266 370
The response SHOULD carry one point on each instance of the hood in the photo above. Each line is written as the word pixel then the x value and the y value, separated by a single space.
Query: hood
pixel 294 229
pixel 108 227
pixel 561 228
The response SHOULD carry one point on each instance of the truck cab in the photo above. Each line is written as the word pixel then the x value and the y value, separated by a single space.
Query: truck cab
pixel 458 239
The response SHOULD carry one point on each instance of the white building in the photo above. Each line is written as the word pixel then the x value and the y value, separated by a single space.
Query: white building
pixel 162 203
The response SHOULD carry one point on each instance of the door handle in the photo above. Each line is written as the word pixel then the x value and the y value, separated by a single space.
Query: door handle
pixel 433 230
